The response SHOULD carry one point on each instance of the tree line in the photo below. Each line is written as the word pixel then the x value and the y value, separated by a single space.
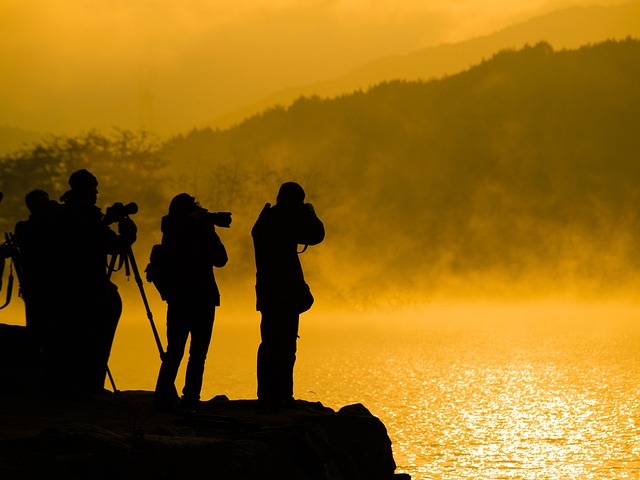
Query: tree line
pixel 520 170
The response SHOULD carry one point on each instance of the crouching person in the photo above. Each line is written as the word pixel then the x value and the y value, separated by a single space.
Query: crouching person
pixel 190 249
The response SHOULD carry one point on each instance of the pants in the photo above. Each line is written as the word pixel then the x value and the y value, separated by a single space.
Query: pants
pixel 184 318
pixel 277 355
pixel 77 340
pixel 104 331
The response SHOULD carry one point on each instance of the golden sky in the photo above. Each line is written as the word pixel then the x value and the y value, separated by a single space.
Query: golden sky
pixel 70 65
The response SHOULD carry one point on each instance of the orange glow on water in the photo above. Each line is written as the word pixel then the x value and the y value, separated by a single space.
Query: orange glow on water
pixel 545 389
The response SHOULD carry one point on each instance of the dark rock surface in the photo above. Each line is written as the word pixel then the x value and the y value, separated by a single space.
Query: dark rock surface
pixel 123 436
pixel 19 360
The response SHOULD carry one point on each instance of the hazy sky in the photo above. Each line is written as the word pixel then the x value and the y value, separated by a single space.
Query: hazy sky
pixel 70 65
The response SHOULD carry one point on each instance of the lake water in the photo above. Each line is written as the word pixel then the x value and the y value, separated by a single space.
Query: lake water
pixel 466 392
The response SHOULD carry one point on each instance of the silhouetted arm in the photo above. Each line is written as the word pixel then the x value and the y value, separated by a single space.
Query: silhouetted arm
pixel 219 256
pixel 311 230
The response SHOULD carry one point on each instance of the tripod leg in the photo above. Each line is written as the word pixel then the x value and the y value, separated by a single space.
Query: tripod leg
pixel 136 275
pixel 113 384
pixel 112 265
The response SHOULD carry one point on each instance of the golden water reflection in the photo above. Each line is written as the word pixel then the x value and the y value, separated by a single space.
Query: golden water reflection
pixel 468 393
pixel 536 396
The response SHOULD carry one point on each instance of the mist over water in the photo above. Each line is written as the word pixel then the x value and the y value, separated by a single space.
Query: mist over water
pixel 506 387
pixel 518 177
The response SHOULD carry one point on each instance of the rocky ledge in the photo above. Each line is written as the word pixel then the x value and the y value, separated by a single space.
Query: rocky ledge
pixel 122 436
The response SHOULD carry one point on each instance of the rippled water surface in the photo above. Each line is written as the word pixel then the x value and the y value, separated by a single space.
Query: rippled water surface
pixel 511 393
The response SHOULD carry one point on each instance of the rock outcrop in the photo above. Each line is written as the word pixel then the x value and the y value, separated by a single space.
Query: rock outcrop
pixel 122 436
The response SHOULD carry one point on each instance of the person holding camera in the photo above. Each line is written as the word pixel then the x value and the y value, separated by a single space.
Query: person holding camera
pixel 190 249
pixel 281 291
pixel 88 305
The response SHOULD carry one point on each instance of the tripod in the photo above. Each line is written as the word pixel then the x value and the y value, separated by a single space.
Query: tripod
pixel 129 261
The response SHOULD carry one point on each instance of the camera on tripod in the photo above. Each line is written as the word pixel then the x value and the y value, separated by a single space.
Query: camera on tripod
pixel 119 211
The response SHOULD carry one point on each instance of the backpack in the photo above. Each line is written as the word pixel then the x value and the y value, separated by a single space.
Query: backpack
pixel 158 270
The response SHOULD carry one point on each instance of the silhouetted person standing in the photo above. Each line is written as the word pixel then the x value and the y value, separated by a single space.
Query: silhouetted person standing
pixel 89 305
pixel 191 248
pixel 34 239
pixel 282 293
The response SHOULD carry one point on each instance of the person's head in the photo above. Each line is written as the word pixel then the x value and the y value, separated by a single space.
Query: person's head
pixel 182 205
pixel 37 201
pixel 290 194
pixel 84 186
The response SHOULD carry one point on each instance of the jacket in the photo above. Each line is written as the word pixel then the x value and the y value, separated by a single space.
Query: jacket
pixel 276 236
pixel 192 249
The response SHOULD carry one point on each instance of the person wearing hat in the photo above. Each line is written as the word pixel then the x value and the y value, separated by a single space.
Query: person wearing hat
pixel 191 249
pixel 88 305
pixel 281 291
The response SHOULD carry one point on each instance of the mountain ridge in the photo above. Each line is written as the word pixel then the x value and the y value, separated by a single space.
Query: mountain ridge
pixel 516 175
pixel 571 28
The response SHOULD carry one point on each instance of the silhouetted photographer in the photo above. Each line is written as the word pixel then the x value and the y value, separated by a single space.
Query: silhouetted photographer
pixel 182 270
pixel 281 291
pixel 88 304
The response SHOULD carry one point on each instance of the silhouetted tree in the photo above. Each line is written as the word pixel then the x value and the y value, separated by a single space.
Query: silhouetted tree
pixel 129 166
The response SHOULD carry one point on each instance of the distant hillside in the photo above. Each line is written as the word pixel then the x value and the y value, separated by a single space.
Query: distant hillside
pixel 568 28
pixel 521 174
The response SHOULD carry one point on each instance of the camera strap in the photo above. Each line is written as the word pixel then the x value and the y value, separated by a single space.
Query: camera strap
pixel 9 287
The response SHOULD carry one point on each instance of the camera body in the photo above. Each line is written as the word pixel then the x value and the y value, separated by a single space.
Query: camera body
pixel 119 211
